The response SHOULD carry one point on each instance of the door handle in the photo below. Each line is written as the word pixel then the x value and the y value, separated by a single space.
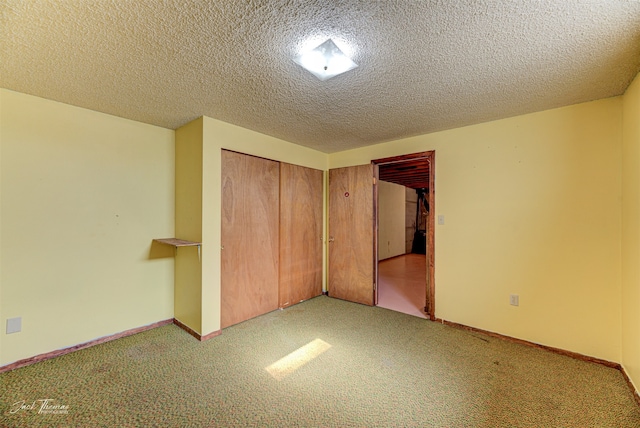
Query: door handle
pixel 331 239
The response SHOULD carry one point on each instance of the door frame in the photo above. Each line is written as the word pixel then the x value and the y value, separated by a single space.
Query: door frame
pixel 430 304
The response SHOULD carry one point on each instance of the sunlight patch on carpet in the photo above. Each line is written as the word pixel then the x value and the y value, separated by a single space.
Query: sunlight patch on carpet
pixel 298 358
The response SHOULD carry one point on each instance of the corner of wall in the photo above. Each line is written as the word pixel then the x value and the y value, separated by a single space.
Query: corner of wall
pixel 630 243
pixel 1 128
pixel 188 224
pixel 211 227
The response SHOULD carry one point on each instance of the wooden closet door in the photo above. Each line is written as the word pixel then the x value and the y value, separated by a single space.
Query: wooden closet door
pixel 300 234
pixel 250 254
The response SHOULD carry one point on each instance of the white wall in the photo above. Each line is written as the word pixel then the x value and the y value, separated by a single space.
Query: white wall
pixel 391 220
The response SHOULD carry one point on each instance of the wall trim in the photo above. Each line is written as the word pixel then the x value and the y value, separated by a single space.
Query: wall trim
pixel 48 355
pixel 210 335
pixel 559 351
pixel 630 384
pixel 395 257
pixel 194 333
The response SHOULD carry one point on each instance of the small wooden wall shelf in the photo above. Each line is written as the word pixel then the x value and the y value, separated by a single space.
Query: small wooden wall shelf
pixel 175 243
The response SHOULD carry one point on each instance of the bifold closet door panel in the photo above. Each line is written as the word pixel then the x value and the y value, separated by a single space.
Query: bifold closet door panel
pixel 250 237
pixel 300 233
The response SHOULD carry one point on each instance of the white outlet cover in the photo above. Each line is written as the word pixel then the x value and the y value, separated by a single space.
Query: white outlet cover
pixel 441 219
pixel 14 325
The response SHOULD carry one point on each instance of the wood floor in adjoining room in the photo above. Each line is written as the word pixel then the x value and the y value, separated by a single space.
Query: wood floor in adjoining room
pixel 402 284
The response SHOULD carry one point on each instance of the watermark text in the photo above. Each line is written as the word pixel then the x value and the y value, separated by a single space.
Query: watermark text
pixel 42 406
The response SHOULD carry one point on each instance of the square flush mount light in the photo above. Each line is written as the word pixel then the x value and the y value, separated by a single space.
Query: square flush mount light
pixel 325 61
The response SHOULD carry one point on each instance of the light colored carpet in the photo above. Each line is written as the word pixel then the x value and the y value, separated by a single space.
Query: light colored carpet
pixel 377 368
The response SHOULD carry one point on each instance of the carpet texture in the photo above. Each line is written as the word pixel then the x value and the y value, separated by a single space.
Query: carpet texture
pixel 375 368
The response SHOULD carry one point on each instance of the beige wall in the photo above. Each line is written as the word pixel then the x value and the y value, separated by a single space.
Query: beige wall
pixel 631 232
pixel 391 219
pixel 532 207
pixel 217 135
pixel 188 196
pixel 83 195
pixel 2 317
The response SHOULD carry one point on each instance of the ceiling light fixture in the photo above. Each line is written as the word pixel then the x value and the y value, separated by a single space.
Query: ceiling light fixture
pixel 325 61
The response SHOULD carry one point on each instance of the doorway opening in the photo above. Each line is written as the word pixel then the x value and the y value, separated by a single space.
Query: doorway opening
pixel 404 265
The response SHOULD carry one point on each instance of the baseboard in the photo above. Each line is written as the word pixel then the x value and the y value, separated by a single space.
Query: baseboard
pixel 210 335
pixel 59 352
pixel 48 355
pixel 398 256
pixel 559 351
pixel 630 384
pixel 194 333
pixel 533 345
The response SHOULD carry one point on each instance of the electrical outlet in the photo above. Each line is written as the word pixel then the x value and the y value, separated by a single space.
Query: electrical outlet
pixel 14 325
pixel 441 219
pixel 514 300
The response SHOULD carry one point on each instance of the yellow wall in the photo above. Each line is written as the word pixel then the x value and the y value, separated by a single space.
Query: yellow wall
pixel 83 195
pixel 217 135
pixel 631 232
pixel 392 212
pixel 188 272
pixel 2 318
pixel 532 207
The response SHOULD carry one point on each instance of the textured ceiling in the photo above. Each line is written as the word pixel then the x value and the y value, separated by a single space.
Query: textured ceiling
pixel 424 66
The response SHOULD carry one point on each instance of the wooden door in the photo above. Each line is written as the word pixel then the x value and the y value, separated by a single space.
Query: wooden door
pixel 250 241
pixel 351 223
pixel 300 234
